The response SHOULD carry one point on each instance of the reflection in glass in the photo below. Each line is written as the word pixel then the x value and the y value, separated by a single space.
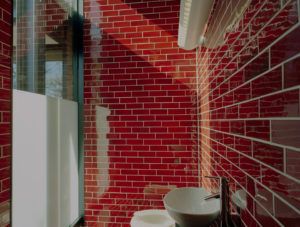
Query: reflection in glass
pixel 43 47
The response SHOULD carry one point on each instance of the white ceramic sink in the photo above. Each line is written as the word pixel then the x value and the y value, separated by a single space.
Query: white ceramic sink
pixel 189 209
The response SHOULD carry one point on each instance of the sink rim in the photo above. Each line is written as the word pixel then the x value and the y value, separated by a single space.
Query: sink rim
pixel 216 208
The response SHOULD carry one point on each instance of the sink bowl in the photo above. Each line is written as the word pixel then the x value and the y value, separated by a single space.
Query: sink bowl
pixel 189 209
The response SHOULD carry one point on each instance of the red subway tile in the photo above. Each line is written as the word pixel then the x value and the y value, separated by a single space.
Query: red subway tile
pixel 243 145
pixel 263 216
pixel 259 129
pixel 268 154
pixel 172 123
pixel 281 23
pixel 291 72
pixel 232 112
pixel 286 132
pixel 249 109
pixel 285 214
pixel 268 83
pixel 264 197
pixel 289 44
pixel 280 105
pixel 243 93
pixel 292 158
pixel 257 66
pixel 282 185
pixel 250 166
pixel 237 127
pixel 248 219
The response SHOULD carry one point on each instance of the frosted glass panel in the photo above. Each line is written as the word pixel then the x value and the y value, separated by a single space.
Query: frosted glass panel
pixel 29 175
pixel 45 163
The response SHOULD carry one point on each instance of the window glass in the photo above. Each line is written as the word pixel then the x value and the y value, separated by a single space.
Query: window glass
pixel 43 47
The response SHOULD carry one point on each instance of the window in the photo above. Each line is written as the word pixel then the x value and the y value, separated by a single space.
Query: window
pixel 43 47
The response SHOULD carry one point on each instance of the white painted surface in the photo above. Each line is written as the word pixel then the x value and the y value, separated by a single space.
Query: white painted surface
pixel 45 169
pixel 68 140
pixel 102 147
pixel 29 174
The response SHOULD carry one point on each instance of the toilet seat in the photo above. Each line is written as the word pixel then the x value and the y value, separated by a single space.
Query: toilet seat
pixel 152 218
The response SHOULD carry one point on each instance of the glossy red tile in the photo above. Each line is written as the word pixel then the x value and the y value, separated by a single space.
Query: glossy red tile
pixel 153 111
pixel 287 17
pixel 232 112
pixel 286 132
pixel 250 187
pixel 243 93
pixel 237 127
pixel 267 83
pixel 285 104
pixel 268 154
pixel 232 156
pixel 243 145
pixel 291 72
pixel 5 109
pixel 263 217
pixel 248 219
pixel 159 100
pixel 259 129
pixel 257 66
pixel 264 197
pixel 285 48
pixel 250 166
pixel 249 109
pixel 292 158
pixel 287 215
pixel 285 187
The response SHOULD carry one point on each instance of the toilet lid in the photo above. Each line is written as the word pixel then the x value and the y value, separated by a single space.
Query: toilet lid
pixel 152 218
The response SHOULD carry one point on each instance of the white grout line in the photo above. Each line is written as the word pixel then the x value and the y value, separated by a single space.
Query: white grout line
pixel 253 198
pixel 258 140
pixel 219 24
pixel 256 181
pixel 258 118
pixel 286 203
pixel 249 81
pixel 237 39
pixel 256 160
pixel 273 204
pixel 270 45
pixel 248 25
pixel 252 99
pixel 251 21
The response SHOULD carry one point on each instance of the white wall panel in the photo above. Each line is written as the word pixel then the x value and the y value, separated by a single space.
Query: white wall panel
pixel 45 161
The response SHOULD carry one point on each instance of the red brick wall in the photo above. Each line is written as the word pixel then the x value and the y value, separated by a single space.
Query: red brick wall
pixel 5 109
pixel 143 141
pixel 249 105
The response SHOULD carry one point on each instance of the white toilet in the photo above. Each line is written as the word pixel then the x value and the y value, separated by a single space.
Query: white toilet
pixel 152 218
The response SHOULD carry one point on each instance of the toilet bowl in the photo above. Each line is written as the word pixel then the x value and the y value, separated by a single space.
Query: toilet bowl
pixel 152 218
